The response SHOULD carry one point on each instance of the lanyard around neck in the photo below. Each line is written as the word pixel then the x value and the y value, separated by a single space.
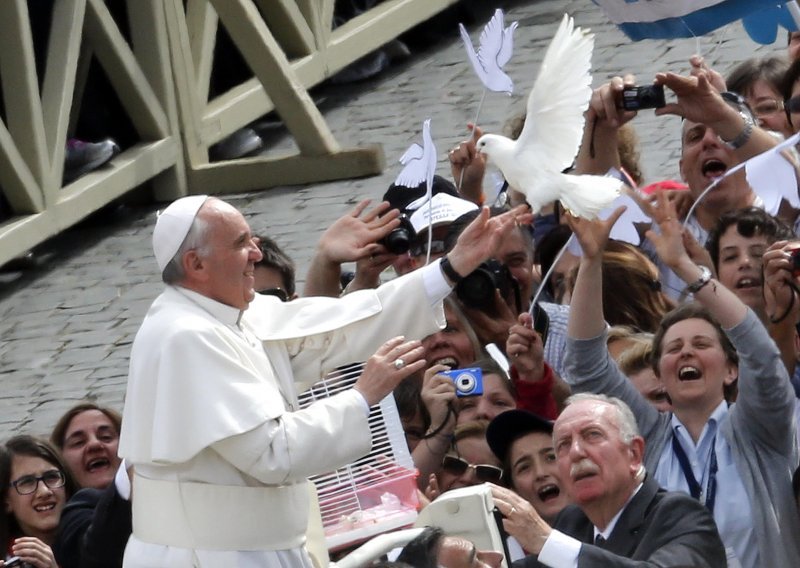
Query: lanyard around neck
pixel 694 486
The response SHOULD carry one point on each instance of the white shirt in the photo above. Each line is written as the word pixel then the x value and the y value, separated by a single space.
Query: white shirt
pixel 732 511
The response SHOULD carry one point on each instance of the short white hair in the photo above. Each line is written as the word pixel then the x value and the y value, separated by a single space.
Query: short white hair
pixel 626 421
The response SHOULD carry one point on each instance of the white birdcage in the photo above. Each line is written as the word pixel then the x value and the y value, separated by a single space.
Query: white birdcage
pixel 376 493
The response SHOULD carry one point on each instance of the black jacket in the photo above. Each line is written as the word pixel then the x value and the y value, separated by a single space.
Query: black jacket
pixel 657 528
pixel 94 529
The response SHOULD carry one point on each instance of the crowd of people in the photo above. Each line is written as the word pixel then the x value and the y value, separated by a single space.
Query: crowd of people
pixel 643 409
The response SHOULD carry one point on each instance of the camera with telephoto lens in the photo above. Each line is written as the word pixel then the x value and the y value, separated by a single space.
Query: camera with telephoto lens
pixel 476 289
pixel 468 382
pixel 401 237
pixel 638 98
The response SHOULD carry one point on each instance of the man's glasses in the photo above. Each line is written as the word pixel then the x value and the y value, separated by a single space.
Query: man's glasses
pixel 279 293
pixel 483 471
pixel 28 484
pixel 437 247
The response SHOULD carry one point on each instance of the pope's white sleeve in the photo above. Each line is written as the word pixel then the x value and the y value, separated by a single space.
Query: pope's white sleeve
pixel 328 434
pixel 436 287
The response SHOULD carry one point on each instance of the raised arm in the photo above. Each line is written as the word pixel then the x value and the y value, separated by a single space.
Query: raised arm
pixel 698 101
pixel 598 152
pixel 586 308
pixel 723 304
pixel 350 238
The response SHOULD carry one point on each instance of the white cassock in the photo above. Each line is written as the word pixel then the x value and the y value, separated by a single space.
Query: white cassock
pixel 211 425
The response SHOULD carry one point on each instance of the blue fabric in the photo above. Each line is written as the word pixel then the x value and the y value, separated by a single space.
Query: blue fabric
pixel 761 19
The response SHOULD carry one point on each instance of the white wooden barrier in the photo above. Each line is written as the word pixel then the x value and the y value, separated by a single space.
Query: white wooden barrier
pixel 162 79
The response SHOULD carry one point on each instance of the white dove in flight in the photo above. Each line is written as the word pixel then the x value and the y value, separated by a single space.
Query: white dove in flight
pixel 551 137
pixel 420 164
pixel 496 46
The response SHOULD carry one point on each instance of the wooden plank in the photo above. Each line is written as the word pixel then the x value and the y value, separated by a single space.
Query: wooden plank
pixel 21 88
pixel 127 78
pixel 264 56
pixel 247 101
pixel 89 193
pixel 375 27
pixel 202 23
pixel 151 47
pixel 289 27
pixel 19 185
pixel 63 53
pixel 250 174
pixel 189 108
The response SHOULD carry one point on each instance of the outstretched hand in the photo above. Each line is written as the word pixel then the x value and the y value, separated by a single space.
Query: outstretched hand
pixel 669 239
pixel 353 237
pixel 393 361
pixel 697 100
pixel 483 236
pixel 593 234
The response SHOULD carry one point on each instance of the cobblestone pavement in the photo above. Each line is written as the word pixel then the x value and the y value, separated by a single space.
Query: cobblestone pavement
pixel 67 327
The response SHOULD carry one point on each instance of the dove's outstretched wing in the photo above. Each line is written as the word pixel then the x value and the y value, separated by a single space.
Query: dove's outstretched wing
pixel 473 57
pixel 507 47
pixel 413 173
pixel 554 121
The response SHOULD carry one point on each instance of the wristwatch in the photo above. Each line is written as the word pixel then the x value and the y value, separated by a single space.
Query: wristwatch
pixel 740 105
pixel 744 135
pixel 705 278
pixel 449 271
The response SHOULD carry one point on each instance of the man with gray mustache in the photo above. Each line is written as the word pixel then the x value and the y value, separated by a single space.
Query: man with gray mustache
pixel 620 514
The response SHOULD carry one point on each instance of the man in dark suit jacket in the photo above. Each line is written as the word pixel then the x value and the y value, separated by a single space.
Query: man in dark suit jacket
pixel 620 518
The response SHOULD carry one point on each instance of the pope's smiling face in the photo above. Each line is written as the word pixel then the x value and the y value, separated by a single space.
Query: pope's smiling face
pixel 226 263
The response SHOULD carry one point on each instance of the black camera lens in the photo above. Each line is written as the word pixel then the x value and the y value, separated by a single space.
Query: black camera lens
pixel 400 239
pixel 476 290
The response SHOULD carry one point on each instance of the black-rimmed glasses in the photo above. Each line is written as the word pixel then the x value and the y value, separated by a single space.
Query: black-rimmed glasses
pixel 483 471
pixel 28 484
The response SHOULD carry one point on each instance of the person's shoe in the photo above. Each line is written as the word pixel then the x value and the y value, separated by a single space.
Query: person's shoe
pixel 83 157
pixel 241 143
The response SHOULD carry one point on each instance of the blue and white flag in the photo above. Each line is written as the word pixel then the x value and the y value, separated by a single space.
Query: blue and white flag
pixel 669 19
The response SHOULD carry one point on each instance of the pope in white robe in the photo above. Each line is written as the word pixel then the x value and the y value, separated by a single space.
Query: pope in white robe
pixel 220 450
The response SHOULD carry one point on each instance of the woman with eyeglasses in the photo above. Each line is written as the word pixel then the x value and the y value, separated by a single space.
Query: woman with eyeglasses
pixel 759 80
pixel 469 461
pixel 35 486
